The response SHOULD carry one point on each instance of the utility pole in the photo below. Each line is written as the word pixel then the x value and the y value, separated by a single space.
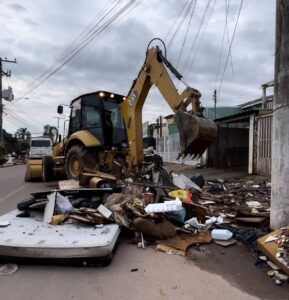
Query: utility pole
pixel 58 118
pixel 279 215
pixel 8 74
pixel 215 103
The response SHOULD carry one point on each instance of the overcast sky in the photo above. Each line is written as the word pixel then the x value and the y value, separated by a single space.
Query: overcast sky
pixel 37 32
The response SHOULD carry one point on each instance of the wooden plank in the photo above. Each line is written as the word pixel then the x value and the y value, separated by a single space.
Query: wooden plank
pixel 170 250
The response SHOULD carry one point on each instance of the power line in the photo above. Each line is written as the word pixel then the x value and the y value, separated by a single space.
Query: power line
pixel 196 36
pixel 180 24
pixel 69 50
pixel 203 33
pixel 222 45
pixel 186 34
pixel 175 20
pixel 230 46
pixel 227 30
pixel 88 40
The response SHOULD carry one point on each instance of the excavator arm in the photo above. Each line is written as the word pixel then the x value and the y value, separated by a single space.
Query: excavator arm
pixel 196 132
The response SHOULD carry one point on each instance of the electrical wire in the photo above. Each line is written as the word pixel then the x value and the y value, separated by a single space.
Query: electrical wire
pixel 71 48
pixel 175 21
pixel 196 36
pixel 222 45
pixel 227 30
pixel 88 40
pixel 186 34
pixel 230 46
pixel 180 24
pixel 203 33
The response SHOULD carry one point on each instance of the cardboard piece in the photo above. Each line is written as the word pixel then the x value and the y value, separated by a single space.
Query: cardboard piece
pixel 270 249
pixel 183 240
pixel 70 184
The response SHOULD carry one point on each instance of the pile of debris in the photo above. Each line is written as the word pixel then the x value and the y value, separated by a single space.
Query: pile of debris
pixel 170 211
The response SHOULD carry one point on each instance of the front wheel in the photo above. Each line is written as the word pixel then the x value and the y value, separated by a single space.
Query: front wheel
pixel 47 168
pixel 77 159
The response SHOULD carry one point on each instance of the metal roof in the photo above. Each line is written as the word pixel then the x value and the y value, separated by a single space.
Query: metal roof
pixel 238 116
pixel 221 111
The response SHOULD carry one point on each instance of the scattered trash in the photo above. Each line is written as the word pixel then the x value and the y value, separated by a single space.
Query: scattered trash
pixel 199 180
pixel 201 227
pixel 254 204
pixel 272 265
pixel 104 211
pixel 184 182
pixel 63 205
pixel 173 205
pixel 221 234
pixel 4 224
pixel 270 238
pixel 8 269
pixel 181 194
pixel 225 243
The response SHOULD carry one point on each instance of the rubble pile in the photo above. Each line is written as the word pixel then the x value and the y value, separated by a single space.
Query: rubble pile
pixel 283 247
pixel 242 202
pixel 166 210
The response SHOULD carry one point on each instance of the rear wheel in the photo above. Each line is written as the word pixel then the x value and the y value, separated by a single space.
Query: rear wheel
pixel 77 159
pixel 47 168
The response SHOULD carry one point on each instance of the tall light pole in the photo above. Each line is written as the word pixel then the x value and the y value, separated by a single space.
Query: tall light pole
pixel 2 73
pixel 279 215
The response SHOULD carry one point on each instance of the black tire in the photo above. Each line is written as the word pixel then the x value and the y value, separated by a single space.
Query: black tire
pixel 24 205
pixel 77 159
pixel 47 168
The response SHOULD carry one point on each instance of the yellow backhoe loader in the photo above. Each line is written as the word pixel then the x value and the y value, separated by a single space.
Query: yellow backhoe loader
pixel 105 126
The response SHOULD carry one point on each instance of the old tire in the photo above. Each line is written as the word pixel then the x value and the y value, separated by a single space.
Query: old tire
pixel 47 168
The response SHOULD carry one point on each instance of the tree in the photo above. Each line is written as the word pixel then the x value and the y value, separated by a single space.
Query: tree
pixel 10 142
pixel 23 134
pixel 51 132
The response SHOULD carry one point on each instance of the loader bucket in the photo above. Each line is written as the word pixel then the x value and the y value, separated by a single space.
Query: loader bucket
pixel 33 169
pixel 196 133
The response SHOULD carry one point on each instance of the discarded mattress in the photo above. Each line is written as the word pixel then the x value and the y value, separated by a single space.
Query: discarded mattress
pixel 31 239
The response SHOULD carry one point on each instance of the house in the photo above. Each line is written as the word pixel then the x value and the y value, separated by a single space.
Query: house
pixel 244 138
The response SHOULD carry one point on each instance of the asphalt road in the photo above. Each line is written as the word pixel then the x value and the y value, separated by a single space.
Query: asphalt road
pixel 159 275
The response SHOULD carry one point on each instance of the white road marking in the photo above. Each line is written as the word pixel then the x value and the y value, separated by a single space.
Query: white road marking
pixel 14 192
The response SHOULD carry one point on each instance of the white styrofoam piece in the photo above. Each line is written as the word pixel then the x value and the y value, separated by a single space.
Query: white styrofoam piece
pixel 30 237
pixel 49 208
pixel 173 205
pixel 104 211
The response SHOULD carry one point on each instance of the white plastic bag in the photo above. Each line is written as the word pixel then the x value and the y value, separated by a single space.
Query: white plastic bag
pixel 63 205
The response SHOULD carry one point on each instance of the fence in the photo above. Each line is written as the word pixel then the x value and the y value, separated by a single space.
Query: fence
pixel 264 143
pixel 169 147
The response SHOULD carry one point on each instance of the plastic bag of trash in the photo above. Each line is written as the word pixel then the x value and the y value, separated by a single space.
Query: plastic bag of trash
pixel 63 205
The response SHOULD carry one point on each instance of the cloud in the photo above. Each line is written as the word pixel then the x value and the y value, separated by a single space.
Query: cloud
pixel 18 8
pixel 36 34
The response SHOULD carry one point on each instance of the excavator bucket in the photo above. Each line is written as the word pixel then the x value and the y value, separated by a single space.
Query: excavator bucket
pixel 33 169
pixel 196 133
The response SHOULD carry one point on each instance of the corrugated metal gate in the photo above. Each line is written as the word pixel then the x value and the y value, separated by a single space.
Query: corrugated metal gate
pixel 264 145
pixel 169 147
